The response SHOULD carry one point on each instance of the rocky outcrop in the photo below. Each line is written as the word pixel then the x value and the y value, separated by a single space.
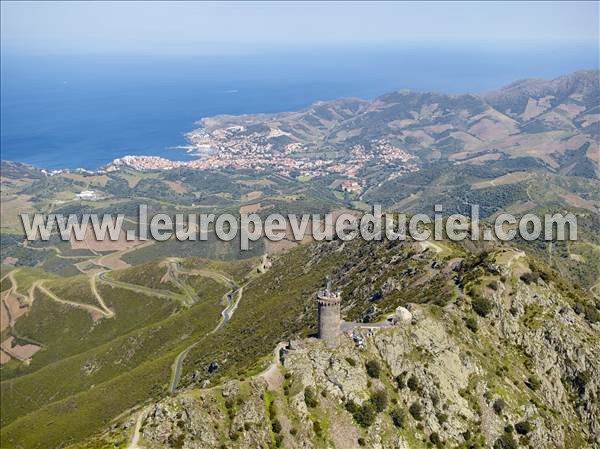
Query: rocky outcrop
pixel 508 364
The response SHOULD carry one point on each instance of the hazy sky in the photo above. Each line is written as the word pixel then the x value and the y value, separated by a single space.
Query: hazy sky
pixel 186 26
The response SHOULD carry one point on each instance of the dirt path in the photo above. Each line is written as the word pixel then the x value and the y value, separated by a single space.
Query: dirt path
pixel 429 244
pixel 138 288
pixel 13 289
pixel 58 252
pixel 528 193
pixel 135 438
pixel 272 374
pixel 8 298
pixel 516 256
pixel 97 295
pixel 96 312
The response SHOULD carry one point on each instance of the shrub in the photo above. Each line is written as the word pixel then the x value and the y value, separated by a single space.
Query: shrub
pixel 533 382
pixel 400 382
pixel 276 426
pixel 499 406
pixel 379 400
pixel 580 382
pixel 506 441
pixel 523 427
pixel 441 417
pixel 416 410
pixel 493 285
pixel 435 438
pixel 591 314
pixel 361 442
pixel 247 426
pixel 351 407
pixel 310 397
pixel 365 415
pixel 579 308
pixel 373 369
pixel 278 440
pixel 481 306
pixel 398 417
pixel 471 324
pixel 412 383
pixel 272 410
pixel 317 428
pixel 351 361
pixel 293 431
pixel 529 277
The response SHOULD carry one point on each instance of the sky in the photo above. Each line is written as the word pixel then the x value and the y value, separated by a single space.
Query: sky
pixel 180 27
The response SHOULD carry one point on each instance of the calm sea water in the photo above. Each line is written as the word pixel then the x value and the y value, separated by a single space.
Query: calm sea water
pixel 84 111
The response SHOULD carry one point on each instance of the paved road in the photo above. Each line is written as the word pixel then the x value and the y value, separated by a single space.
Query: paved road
pixel 226 315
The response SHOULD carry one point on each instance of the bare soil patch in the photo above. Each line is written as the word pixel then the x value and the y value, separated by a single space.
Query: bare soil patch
pixel 90 242
pixel 250 208
pixel 510 178
pixel 19 352
pixel 177 186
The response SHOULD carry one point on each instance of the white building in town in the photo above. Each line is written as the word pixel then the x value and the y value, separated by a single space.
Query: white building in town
pixel 88 195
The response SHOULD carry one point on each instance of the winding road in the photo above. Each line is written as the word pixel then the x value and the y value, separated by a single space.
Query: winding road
pixel 226 315
pixel 103 310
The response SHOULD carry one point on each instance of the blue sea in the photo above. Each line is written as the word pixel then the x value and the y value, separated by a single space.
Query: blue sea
pixel 69 111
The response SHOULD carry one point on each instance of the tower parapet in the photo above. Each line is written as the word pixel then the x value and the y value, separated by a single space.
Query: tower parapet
pixel 328 314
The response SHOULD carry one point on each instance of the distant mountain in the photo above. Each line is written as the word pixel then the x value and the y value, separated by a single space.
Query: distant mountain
pixel 556 122
pixel 526 99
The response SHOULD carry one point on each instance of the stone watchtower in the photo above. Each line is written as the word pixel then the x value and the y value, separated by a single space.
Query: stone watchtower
pixel 328 313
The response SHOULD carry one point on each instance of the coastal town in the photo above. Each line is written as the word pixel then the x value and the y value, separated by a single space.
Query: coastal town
pixel 234 147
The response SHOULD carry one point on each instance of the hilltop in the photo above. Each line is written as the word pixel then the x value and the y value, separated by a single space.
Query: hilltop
pixel 497 351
